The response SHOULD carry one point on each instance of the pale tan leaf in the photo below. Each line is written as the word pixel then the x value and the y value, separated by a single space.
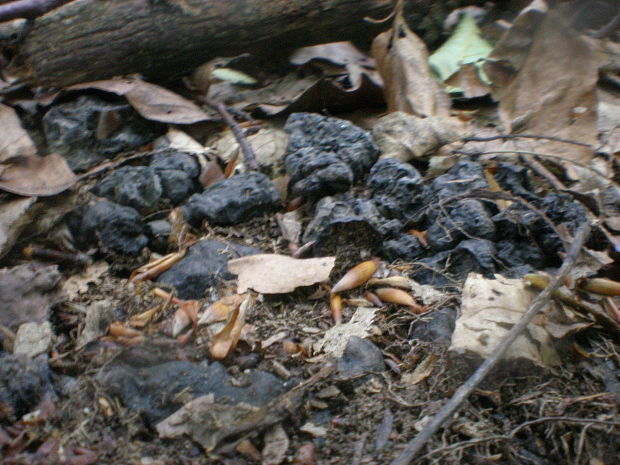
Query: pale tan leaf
pixel 78 283
pixel 279 274
pixel 15 140
pixel 276 445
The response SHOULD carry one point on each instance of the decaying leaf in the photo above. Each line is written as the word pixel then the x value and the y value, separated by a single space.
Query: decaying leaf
pixel 278 274
pixel 490 307
pixel 276 445
pixel 335 340
pixel 224 342
pixel 78 283
pixel 34 175
pixel 409 84
pixel 221 309
pixel 22 171
pixel 152 102
pixel 548 88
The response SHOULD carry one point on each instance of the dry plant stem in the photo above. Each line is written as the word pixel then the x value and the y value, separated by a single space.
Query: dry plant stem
pixel 539 169
pixel 513 433
pixel 415 445
pixel 524 136
pixel 248 153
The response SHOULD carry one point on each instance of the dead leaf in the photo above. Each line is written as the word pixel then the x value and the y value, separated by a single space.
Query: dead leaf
pixel 467 80
pixel 409 84
pixel 489 309
pixel 279 274
pixel 152 102
pixel 22 171
pixel 221 309
pixel 336 338
pixel 15 140
pixel 268 144
pixel 276 445
pixel 78 283
pixel 553 91
pixel 224 342
pixel 34 175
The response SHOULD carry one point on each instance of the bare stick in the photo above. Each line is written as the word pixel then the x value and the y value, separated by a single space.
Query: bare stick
pixel 415 445
pixel 248 153
pixel 29 9
pixel 524 136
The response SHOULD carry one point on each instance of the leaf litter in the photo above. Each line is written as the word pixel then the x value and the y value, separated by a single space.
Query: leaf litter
pixel 287 329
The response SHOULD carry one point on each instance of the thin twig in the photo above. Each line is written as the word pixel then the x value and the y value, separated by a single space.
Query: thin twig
pixel 524 136
pixel 540 170
pixel 28 9
pixel 513 432
pixel 246 148
pixel 415 445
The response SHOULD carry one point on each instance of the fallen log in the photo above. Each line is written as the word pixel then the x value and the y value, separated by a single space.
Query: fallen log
pixel 97 39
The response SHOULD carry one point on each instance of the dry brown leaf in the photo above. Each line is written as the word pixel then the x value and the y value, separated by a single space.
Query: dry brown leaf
pixel 151 101
pixel 221 309
pixel 224 342
pixel 468 79
pixel 34 175
pixel 409 85
pixel 78 283
pixel 553 92
pixel 279 274
pixel 22 171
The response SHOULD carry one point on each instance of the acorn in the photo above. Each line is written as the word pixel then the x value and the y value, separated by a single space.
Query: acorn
pixel 356 276
pixel 399 297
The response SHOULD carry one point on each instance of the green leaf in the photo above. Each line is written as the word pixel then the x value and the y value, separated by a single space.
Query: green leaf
pixel 465 45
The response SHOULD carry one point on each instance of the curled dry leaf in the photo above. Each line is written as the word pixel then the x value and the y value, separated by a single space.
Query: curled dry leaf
pixel 356 276
pixel 225 341
pixel 221 309
pixel 279 274
pixel 409 84
pixel 142 319
pixel 152 102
